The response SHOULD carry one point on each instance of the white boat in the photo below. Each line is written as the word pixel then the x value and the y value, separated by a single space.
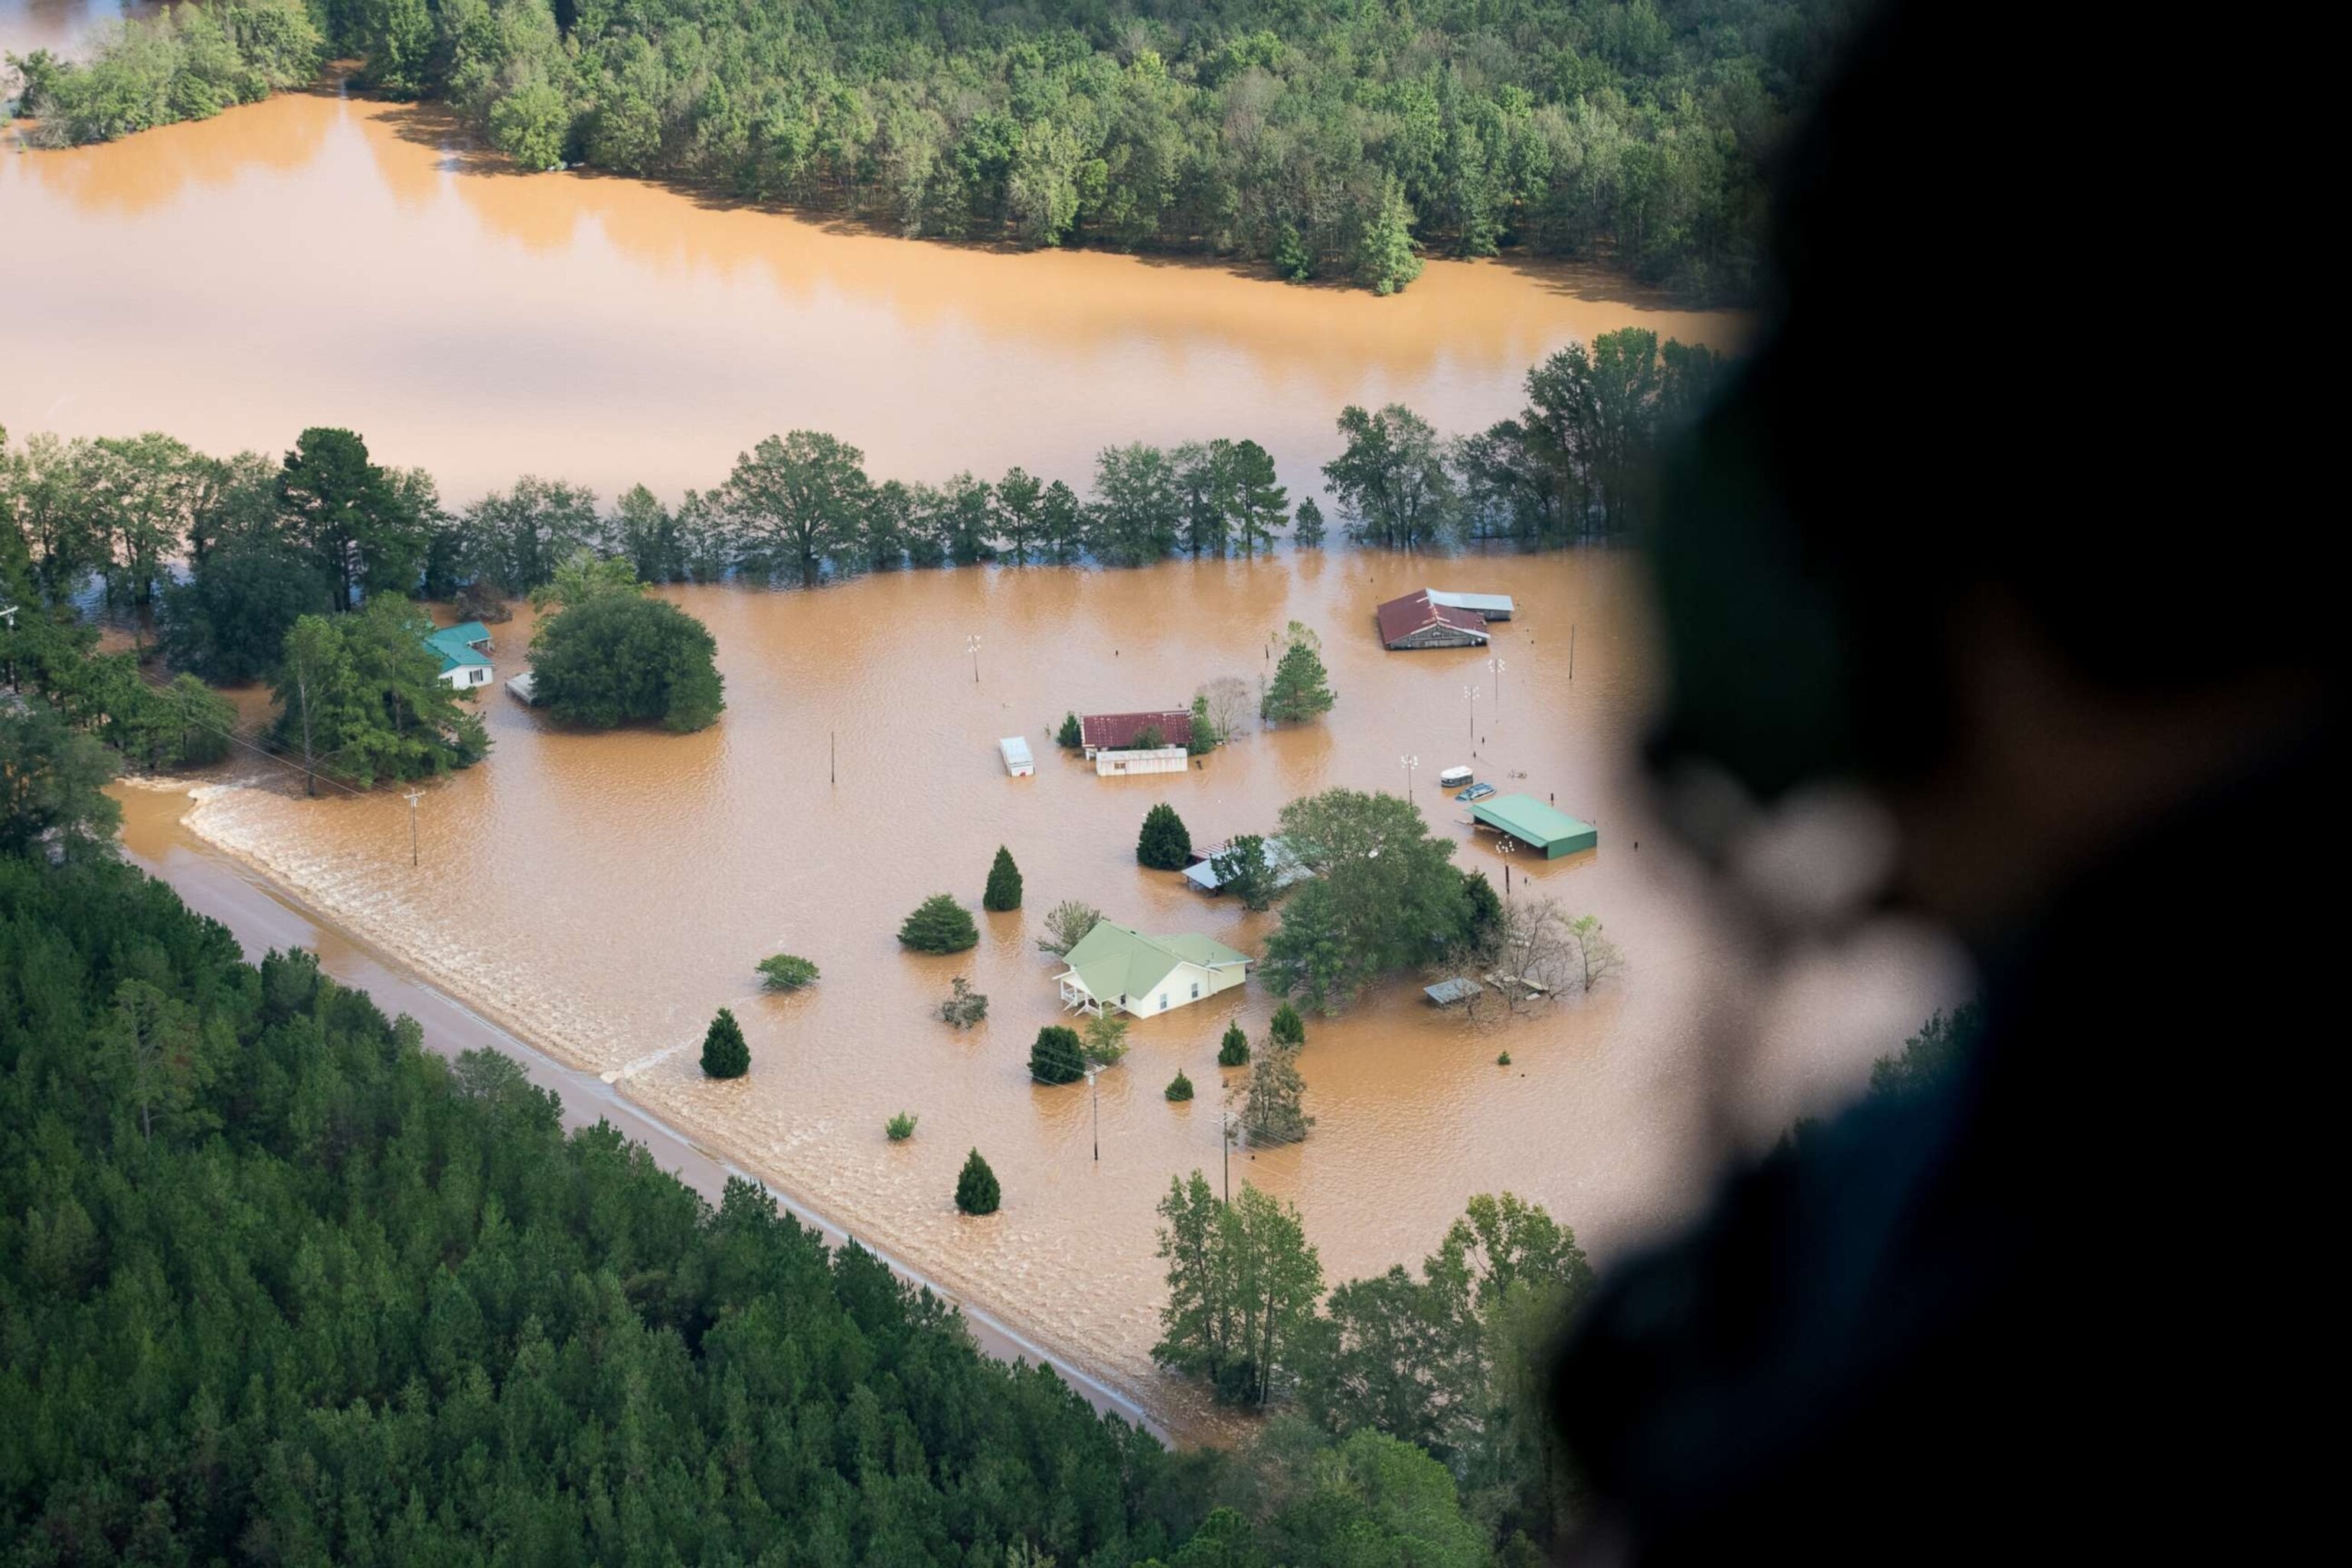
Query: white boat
pixel 1454 778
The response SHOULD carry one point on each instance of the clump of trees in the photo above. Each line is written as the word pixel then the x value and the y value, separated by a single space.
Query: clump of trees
pixel 787 972
pixel 1165 844
pixel 939 924
pixel 1319 143
pixel 976 1190
pixel 1243 1282
pixel 613 656
pixel 964 1007
pixel 725 1053
pixel 188 63
pixel 53 779
pixel 1056 1055
pixel 1301 687
pixel 1385 896
pixel 1004 890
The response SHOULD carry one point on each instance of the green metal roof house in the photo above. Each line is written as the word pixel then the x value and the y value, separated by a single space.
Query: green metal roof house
pixel 463 652
pixel 1113 966
pixel 1535 825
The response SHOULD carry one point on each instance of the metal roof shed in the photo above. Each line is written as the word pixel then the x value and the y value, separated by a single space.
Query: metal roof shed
pixel 1535 825
pixel 1492 607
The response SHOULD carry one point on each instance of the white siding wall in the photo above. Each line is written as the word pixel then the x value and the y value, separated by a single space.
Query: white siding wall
pixel 1119 765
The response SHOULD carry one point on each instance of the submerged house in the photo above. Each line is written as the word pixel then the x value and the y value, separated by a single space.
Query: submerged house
pixel 1119 743
pixel 465 654
pixel 1113 966
pixel 1287 868
pixel 1418 621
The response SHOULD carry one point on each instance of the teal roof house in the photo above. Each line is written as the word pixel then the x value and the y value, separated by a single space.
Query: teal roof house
pixel 465 654
pixel 1115 967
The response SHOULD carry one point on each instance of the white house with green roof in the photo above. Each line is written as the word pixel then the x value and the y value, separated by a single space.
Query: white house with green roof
pixel 465 654
pixel 1113 966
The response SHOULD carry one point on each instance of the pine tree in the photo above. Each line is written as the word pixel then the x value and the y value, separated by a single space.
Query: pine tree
pixel 939 924
pixel 1287 1027
pixel 1056 1055
pixel 1301 687
pixel 1069 737
pixel 1179 1088
pixel 1308 528
pixel 976 1189
pixel 1234 1051
pixel 1003 883
pixel 724 1052
pixel 1165 844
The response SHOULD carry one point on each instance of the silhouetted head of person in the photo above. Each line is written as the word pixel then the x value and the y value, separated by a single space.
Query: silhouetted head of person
pixel 1974 529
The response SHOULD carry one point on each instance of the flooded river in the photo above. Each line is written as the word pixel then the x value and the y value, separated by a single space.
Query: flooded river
pixel 322 260
pixel 601 895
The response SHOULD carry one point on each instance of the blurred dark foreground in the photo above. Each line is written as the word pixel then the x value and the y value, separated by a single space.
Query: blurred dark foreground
pixel 1976 536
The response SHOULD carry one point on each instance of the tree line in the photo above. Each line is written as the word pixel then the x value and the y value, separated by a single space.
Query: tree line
pixel 1318 141
pixel 276 1281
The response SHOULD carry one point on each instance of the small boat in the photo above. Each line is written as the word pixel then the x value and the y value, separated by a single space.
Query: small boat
pixel 1454 778
pixel 1476 792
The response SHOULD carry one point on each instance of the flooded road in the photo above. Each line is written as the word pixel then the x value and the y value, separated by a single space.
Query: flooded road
pixel 601 895
pixel 316 260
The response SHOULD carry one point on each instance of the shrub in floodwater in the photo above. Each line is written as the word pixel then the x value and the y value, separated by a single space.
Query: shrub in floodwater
pixel 1179 1088
pixel 900 1127
pixel 1003 883
pixel 939 924
pixel 724 1052
pixel 1503 1060
pixel 1234 1051
pixel 787 972
pixel 976 1188
pixel 1056 1055
pixel 964 1006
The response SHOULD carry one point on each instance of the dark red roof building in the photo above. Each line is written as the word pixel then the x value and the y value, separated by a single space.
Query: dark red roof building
pixel 1119 732
pixel 1415 622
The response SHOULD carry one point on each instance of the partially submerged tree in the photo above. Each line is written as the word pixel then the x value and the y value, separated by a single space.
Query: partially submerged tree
pixel 976 1190
pixel 1243 1282
pixel 1066 924
pixel 1004 890
pixel 1301 688
pixel 901 1127
pixel 1105 1041
pixel 1597 957
pixel 939 924
pixel 1274 1101
pixel 614 658
pixel 1286 1027
pixel 964 1006
pixel 1245 869
pixel 1068 736
pixel 1233 1051
pixel 725 1054
pixel 787 972
pixel 1056 1055
pixel 1165 844
pixel 1227 700
pixel 1179 1088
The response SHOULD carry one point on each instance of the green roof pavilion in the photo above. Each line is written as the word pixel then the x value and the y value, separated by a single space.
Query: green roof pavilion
pixel 1535 825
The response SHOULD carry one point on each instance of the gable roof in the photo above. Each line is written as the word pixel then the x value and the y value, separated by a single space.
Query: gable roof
pixel 1497 606
pixel 1400 618
pixel 1114 961
pixel 1526 817
pixel 1116 731
pixel 456 648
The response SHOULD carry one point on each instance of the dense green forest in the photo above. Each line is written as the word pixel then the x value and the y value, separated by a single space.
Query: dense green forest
pixel 1318 138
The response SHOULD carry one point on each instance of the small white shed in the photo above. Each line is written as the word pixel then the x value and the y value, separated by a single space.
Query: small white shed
pixel 1018 762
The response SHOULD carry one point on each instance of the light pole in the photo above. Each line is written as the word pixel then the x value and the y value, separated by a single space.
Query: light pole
pixel 1225 1136
pixel 1472 694
pixel 1496 665
pixel 1092 1074
pixel 1409 764
pixel 971 647
pixel 413 797
pixel 1506 847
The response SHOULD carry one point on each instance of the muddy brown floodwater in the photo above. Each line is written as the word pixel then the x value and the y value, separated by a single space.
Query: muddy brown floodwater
pixel 602 895
pixel 322 260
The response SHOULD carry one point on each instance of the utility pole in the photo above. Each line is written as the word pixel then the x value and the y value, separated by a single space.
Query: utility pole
pixel 414 796
pixel 1225 1135
pixel 1497 666
pixel 971 647
pixel 1409 764
pixel 1472 694
pixel 832 759
pixel 1571 650
pixel 1095 1089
